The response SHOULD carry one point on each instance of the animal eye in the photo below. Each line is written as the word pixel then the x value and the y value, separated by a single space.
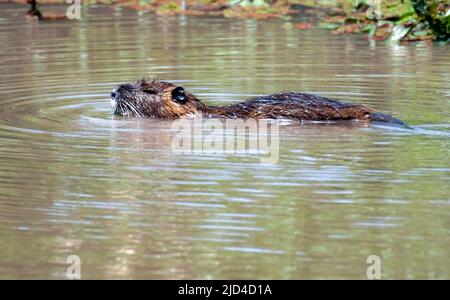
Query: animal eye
pixel 178 95
pixel 149 92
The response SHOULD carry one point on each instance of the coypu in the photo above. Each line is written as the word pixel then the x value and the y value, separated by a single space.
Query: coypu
pixel 35 13
pixel 159 99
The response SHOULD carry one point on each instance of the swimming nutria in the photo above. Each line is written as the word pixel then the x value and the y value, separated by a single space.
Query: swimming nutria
pixel 159 99
pixel 35 13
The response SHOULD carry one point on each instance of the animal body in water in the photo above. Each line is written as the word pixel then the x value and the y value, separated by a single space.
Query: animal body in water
pixel 159 99
pixel 35 13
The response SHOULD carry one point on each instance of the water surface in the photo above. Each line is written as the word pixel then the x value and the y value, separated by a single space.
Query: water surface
pixel 75 180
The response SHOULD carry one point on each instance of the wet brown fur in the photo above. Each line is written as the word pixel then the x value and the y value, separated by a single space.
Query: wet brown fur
pixel 293 106
pixel 153 98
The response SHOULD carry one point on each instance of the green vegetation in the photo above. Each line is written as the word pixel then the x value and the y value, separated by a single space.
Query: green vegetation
pixel 397 20
pixel 436 14
pixel 411 21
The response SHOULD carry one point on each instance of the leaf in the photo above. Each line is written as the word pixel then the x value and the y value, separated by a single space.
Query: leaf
pixel 373 30
pixel 421 33
pixel 398 32
pixel 406 17
pixel 329 25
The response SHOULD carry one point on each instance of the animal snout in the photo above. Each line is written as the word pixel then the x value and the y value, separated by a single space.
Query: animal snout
pixel 123 88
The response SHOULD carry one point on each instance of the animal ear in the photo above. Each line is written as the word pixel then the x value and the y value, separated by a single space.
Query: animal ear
pixel 178 95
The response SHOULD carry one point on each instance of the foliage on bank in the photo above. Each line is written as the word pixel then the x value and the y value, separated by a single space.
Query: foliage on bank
pixel 398 20
pixel 422 20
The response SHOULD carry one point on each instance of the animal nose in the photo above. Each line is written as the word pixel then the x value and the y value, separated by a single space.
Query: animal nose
pixel 122 89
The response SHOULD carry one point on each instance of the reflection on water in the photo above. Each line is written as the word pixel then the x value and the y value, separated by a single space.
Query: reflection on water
pixel 75 180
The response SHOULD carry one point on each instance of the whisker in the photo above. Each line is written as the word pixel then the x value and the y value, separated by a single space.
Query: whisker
pixel 136 110
pixel 133 109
